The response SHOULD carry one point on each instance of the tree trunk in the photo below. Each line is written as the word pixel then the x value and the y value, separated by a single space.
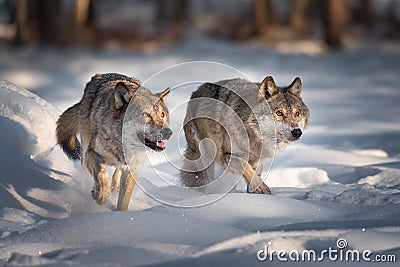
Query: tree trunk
pixel 23 27
pixel 261 14
pixel 178 12
pixel 81 13
pixel 367 15
pixel 37 21
pixel 49 21
pixel 336 21
pixel 91 19
pixel 298 17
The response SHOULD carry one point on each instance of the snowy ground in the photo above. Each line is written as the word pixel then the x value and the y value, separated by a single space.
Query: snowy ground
pixel 340 181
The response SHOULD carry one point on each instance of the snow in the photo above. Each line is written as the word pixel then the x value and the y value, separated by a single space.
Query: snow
pixel 340 181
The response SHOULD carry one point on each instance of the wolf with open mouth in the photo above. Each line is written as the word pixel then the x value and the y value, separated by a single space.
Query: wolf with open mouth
pixel 109 101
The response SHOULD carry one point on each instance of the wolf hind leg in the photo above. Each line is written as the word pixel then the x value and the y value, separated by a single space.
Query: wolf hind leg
pixel 196 170
pixel 189 176
pixel 192 173
pixel 97 169
pixel 128 182
pixel 197 178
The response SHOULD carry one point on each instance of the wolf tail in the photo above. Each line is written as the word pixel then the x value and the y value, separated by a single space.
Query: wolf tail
pixel 67 128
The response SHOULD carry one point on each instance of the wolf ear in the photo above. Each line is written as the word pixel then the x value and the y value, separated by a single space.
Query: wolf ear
pixel 163 95
pixel 268 87
pixel 295 87
pixel 122 95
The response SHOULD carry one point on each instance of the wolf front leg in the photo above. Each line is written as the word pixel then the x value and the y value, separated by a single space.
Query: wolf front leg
pixel 128 182
pixel 258 167
pixel 95 166
pixel 115 180
pixel 254 182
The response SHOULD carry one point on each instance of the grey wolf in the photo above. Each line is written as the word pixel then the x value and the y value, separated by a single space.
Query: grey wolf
pixel 99 119
pixel 254 105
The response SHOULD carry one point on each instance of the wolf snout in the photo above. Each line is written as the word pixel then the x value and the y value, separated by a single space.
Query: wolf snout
pixel 166 133
pixel 296 133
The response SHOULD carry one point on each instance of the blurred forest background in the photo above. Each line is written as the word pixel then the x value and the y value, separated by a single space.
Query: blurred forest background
pixel 147 25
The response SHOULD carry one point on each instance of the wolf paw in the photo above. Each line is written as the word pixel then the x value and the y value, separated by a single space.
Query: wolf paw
pixel 100 196
pixel 261 189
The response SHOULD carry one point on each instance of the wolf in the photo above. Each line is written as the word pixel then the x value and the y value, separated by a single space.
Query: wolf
pixel 99 117
pixel 271 117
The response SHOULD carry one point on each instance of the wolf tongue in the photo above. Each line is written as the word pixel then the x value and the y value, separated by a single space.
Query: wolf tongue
pixel 160 143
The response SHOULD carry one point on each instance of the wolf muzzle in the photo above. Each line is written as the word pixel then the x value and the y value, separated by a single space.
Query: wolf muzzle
pixel 296 133
pixel 166 133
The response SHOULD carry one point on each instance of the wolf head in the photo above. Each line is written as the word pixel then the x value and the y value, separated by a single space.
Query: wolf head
pixel 288 109
pixel 147 117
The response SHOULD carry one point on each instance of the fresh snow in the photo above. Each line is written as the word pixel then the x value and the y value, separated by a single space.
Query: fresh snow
pixel 340 181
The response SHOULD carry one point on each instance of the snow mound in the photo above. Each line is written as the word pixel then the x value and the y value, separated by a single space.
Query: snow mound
pixel 35 116
pixel 35 172
pixel 297 177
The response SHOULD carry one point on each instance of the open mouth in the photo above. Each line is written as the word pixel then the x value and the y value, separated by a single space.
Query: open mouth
pixel 156 145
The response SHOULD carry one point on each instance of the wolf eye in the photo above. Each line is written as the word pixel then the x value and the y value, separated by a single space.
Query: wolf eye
pixel 162 114
pixel 297 113
pixel 146 115
pixel 279 113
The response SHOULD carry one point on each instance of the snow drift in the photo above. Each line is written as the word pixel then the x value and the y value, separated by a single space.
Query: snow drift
pixel 340 182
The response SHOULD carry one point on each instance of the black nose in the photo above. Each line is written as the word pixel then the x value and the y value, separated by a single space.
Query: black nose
pixel 296 133
pixel 166 133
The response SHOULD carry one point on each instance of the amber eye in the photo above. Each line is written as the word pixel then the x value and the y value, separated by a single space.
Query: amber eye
pixel 162 114
pixel 146 115
pixel 297 113
pixel 279 113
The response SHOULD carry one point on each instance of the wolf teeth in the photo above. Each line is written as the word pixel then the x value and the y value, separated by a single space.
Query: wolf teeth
pixel 160 144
